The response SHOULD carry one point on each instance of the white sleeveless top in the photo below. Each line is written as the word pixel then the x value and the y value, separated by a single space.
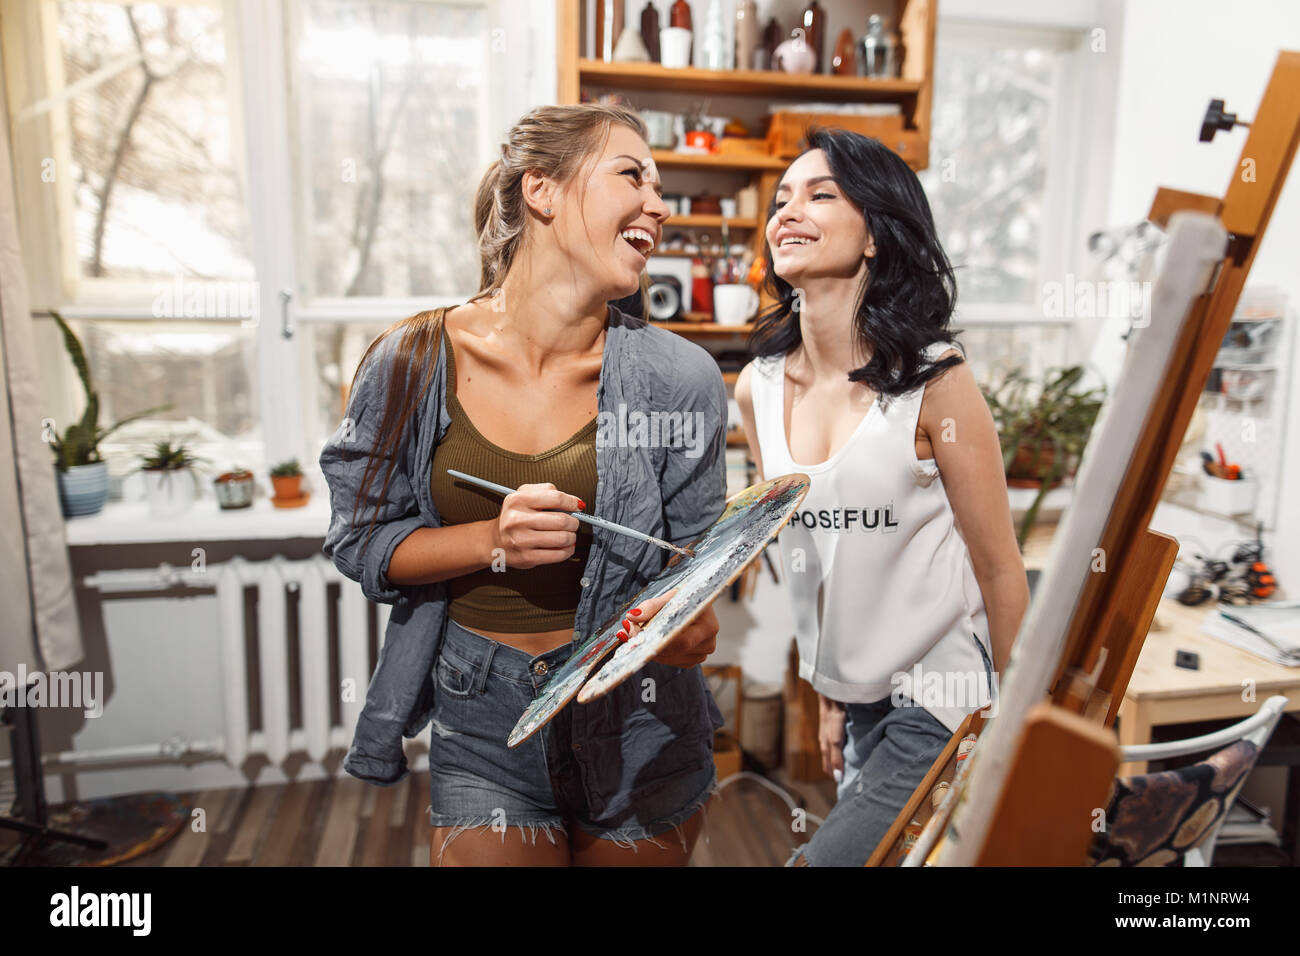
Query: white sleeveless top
pixel 885 598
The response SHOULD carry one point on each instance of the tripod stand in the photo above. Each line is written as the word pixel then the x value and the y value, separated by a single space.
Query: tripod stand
pixel 30 784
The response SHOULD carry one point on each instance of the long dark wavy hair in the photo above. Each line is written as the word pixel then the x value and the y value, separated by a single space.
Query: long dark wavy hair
pixel 910 291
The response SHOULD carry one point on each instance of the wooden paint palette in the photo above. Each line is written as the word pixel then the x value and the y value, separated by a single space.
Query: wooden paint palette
pixel 750 521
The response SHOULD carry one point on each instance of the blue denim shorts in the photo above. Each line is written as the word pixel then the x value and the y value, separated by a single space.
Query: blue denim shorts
pixel 627 766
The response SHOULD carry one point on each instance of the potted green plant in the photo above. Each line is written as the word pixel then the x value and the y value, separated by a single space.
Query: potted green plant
pixel 286 477
pixel 1043 428
pixel 234 488
pixel 169 494
pixel 82 473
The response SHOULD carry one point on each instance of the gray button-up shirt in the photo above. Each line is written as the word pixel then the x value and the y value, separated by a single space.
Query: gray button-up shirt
pixel 660 467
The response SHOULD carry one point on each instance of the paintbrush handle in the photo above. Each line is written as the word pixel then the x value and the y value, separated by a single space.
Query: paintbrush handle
pixel 581 516
pixel 481 482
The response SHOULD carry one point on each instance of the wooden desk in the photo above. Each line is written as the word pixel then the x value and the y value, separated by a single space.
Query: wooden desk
pixel 1160 693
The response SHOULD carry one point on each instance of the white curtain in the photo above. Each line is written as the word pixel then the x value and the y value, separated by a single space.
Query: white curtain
pixel 39 630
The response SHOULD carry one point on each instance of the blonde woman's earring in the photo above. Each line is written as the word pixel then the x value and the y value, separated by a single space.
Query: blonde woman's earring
pixel 547 210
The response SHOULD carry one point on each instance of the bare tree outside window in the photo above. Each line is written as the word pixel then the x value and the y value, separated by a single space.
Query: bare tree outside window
pixel 156 190
pixel 159 208
pixel 392 104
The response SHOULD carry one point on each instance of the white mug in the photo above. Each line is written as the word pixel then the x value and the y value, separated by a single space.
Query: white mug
pixel 734 303
pixel 675 47
pixel 659 124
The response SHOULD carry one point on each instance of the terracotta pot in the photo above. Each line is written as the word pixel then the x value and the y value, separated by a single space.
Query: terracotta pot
pixel 287 486
pixel 1026 473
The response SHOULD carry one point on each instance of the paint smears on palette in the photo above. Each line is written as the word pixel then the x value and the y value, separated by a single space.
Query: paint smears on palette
pixel 750 521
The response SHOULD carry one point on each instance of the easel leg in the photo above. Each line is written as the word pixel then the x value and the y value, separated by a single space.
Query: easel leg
pixel 1134 730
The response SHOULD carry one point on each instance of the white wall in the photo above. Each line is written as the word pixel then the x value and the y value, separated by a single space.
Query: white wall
pixel 1177 55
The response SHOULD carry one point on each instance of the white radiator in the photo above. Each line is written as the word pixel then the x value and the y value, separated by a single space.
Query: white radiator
pixel 273 579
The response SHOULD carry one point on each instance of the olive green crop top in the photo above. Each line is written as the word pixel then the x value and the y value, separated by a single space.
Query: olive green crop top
pixel 512 600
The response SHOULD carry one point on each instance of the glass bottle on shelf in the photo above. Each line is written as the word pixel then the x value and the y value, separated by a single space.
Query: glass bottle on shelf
pixel 772 38
pixel 714 52
pixel 609 27
pixel 814 29
pixel 746 34
pixel 679 15
pixel 878 51
pixel 650 30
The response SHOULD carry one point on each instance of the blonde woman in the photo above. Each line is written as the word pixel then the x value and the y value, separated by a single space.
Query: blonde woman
pixel 905 577
pixel 526 385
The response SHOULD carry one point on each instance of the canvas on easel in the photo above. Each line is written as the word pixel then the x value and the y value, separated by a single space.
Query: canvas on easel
pixel 1080 640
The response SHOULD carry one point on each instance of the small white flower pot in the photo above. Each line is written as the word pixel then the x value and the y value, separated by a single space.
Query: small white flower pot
pixel 169 492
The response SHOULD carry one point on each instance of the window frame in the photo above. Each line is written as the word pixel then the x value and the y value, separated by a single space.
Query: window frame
pixel 41 132
pixel 1067 168
pixel 260 38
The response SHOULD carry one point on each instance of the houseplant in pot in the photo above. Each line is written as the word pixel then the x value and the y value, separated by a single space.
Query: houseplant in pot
pixel 82 474
pixel 286 477
pixel 234 488
pixel 1043 428
pixel 169 492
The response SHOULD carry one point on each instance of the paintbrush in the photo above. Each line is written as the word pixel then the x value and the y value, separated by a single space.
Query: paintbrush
pixel 581 516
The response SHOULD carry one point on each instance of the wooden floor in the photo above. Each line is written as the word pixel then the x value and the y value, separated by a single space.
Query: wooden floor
pixel 344 822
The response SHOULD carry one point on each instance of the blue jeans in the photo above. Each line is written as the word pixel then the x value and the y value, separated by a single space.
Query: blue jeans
pixel 628 766
pixel 887 752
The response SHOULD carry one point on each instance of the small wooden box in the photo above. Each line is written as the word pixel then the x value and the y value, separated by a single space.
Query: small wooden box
pixel 741 146
pixel 785 134
pixel 726 755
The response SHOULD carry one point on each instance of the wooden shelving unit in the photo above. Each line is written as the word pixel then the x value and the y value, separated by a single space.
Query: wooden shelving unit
pixel 728 163
pixel 701 325
pixel 912 90
pixel 773 85
pixel 711 220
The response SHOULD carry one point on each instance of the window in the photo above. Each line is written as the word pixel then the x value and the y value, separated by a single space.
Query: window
pixel 395 110
pixel 230 199
pixel 152 178
pixel 1001 183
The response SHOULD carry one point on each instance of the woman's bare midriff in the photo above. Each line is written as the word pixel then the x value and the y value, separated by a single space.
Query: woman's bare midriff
pixel 532 644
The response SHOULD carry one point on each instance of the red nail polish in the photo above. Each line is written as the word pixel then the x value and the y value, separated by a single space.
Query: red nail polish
pixel 622 637
pixel 627 624
pixel 582 505
pixel 635 612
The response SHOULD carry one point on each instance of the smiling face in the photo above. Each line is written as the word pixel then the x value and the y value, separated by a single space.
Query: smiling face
pixel 815 231
pixel 610 218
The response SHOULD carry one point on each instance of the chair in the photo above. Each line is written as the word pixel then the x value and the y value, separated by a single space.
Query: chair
pixel 1173 816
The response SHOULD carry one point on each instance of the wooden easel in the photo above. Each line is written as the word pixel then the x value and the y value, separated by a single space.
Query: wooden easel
pixel 1043 794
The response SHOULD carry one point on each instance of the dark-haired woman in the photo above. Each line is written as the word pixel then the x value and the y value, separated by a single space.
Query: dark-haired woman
pixel 521 386
pixel 905 577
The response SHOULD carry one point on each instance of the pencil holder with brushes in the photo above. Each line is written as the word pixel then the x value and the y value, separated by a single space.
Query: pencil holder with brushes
pixel 1227 497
